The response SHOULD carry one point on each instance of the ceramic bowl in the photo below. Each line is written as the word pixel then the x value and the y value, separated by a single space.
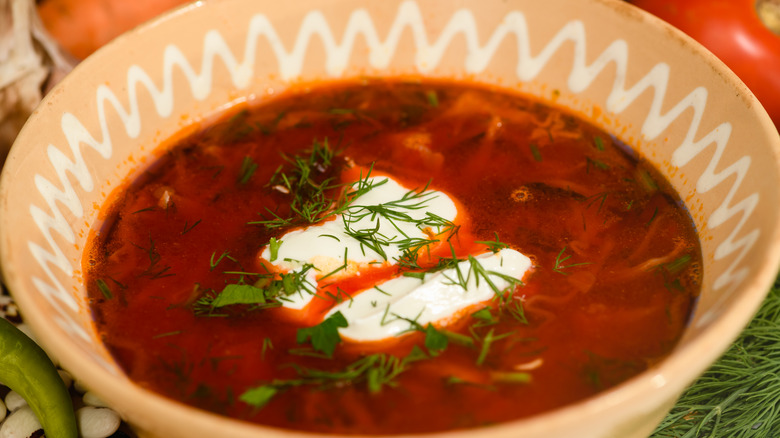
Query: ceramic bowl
pixel 657 90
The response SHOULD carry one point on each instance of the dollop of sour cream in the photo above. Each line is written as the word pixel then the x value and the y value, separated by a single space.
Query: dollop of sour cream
pixel 332 249
pixel 389 308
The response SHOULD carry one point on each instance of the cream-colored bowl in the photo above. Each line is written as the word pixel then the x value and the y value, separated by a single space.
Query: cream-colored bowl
pixel 629 73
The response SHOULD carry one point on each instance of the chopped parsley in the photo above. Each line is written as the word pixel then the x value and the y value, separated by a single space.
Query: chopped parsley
pixel 324 336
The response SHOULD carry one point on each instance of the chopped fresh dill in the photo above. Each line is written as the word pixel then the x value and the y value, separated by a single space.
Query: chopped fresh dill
pixel 434 333
pixel 535 152
pixel 678 264
pixel 104 289
pixel 494 245
pixel 152 208
pixel 213 263
pixel 560 260
pixel 598 142
pixel 516 310
pixel 311 194
pixel 433 98
pixel 487 342
pixel 153 271
pixel 394 212
pixel 270 128
pixel 267 345
pixel 510 377
pixel 386 313
pixel 652 218
pixel 478 273
pixel 369 238
pixel 375 371
pixel 646 180
pixel 165 335
pixel 331 236
pixel 248 168
pixel 307 352
pixel 340 296
pixel 188 228
pixel 598 164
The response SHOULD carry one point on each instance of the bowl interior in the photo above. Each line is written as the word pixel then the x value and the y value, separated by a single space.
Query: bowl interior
pixel 654 89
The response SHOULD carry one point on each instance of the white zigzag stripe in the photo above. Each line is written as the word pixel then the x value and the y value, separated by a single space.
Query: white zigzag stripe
pixel 428 55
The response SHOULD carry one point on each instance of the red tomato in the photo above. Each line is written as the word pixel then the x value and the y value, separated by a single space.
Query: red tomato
pixel 734 32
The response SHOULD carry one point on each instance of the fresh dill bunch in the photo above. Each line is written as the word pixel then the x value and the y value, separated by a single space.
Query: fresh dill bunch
pixel 739 396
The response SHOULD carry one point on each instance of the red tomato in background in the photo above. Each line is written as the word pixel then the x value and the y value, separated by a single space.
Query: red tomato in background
pixel 733 31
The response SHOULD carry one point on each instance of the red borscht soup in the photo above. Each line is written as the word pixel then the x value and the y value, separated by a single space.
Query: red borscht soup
pixel 392 256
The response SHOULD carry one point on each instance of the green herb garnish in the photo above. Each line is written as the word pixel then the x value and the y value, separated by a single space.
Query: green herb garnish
pixel 239 294
pixel 273 248
pixel 188 227
pixel 433 98
pixel 104 289
pixel 737 396
pixel 598 142
pixel 154 270
pixel 487 342
pixel 268 290
pixel 494 245
pixel 559 263
pixel 248 168
pixel 535 152
pixel 435 341
pixel 376 371
pixel 325 335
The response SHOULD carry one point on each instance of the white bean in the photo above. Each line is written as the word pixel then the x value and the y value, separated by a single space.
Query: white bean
pixel 20 424
pixel 97 422
pixel 91 399
pixel 3 411
pixel 14 401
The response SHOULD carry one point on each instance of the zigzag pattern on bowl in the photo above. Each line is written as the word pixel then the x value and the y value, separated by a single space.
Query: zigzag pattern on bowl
pixel 360 25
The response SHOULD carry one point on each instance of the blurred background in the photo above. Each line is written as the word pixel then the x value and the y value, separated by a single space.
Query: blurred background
pixel 41 41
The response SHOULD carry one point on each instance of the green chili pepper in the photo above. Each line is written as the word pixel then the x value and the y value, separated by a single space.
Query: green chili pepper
pixel 26 369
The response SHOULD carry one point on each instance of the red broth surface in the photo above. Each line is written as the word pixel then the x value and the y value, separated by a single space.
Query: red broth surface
pixel 616 262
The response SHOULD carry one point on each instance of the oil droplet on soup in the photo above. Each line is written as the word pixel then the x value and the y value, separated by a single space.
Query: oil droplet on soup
pixel 390 257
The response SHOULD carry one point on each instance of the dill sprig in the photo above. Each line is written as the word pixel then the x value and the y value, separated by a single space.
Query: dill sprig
pixel 560 259
pixel 375 371
pixel 739 396
pixel 395 212
pixel 312 200
pixel 303 178
pixel 478 272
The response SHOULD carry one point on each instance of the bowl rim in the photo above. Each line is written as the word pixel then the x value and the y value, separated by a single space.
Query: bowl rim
pixel 672 370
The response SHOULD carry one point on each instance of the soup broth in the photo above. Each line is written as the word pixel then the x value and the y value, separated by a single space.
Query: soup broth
pixel 199 294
